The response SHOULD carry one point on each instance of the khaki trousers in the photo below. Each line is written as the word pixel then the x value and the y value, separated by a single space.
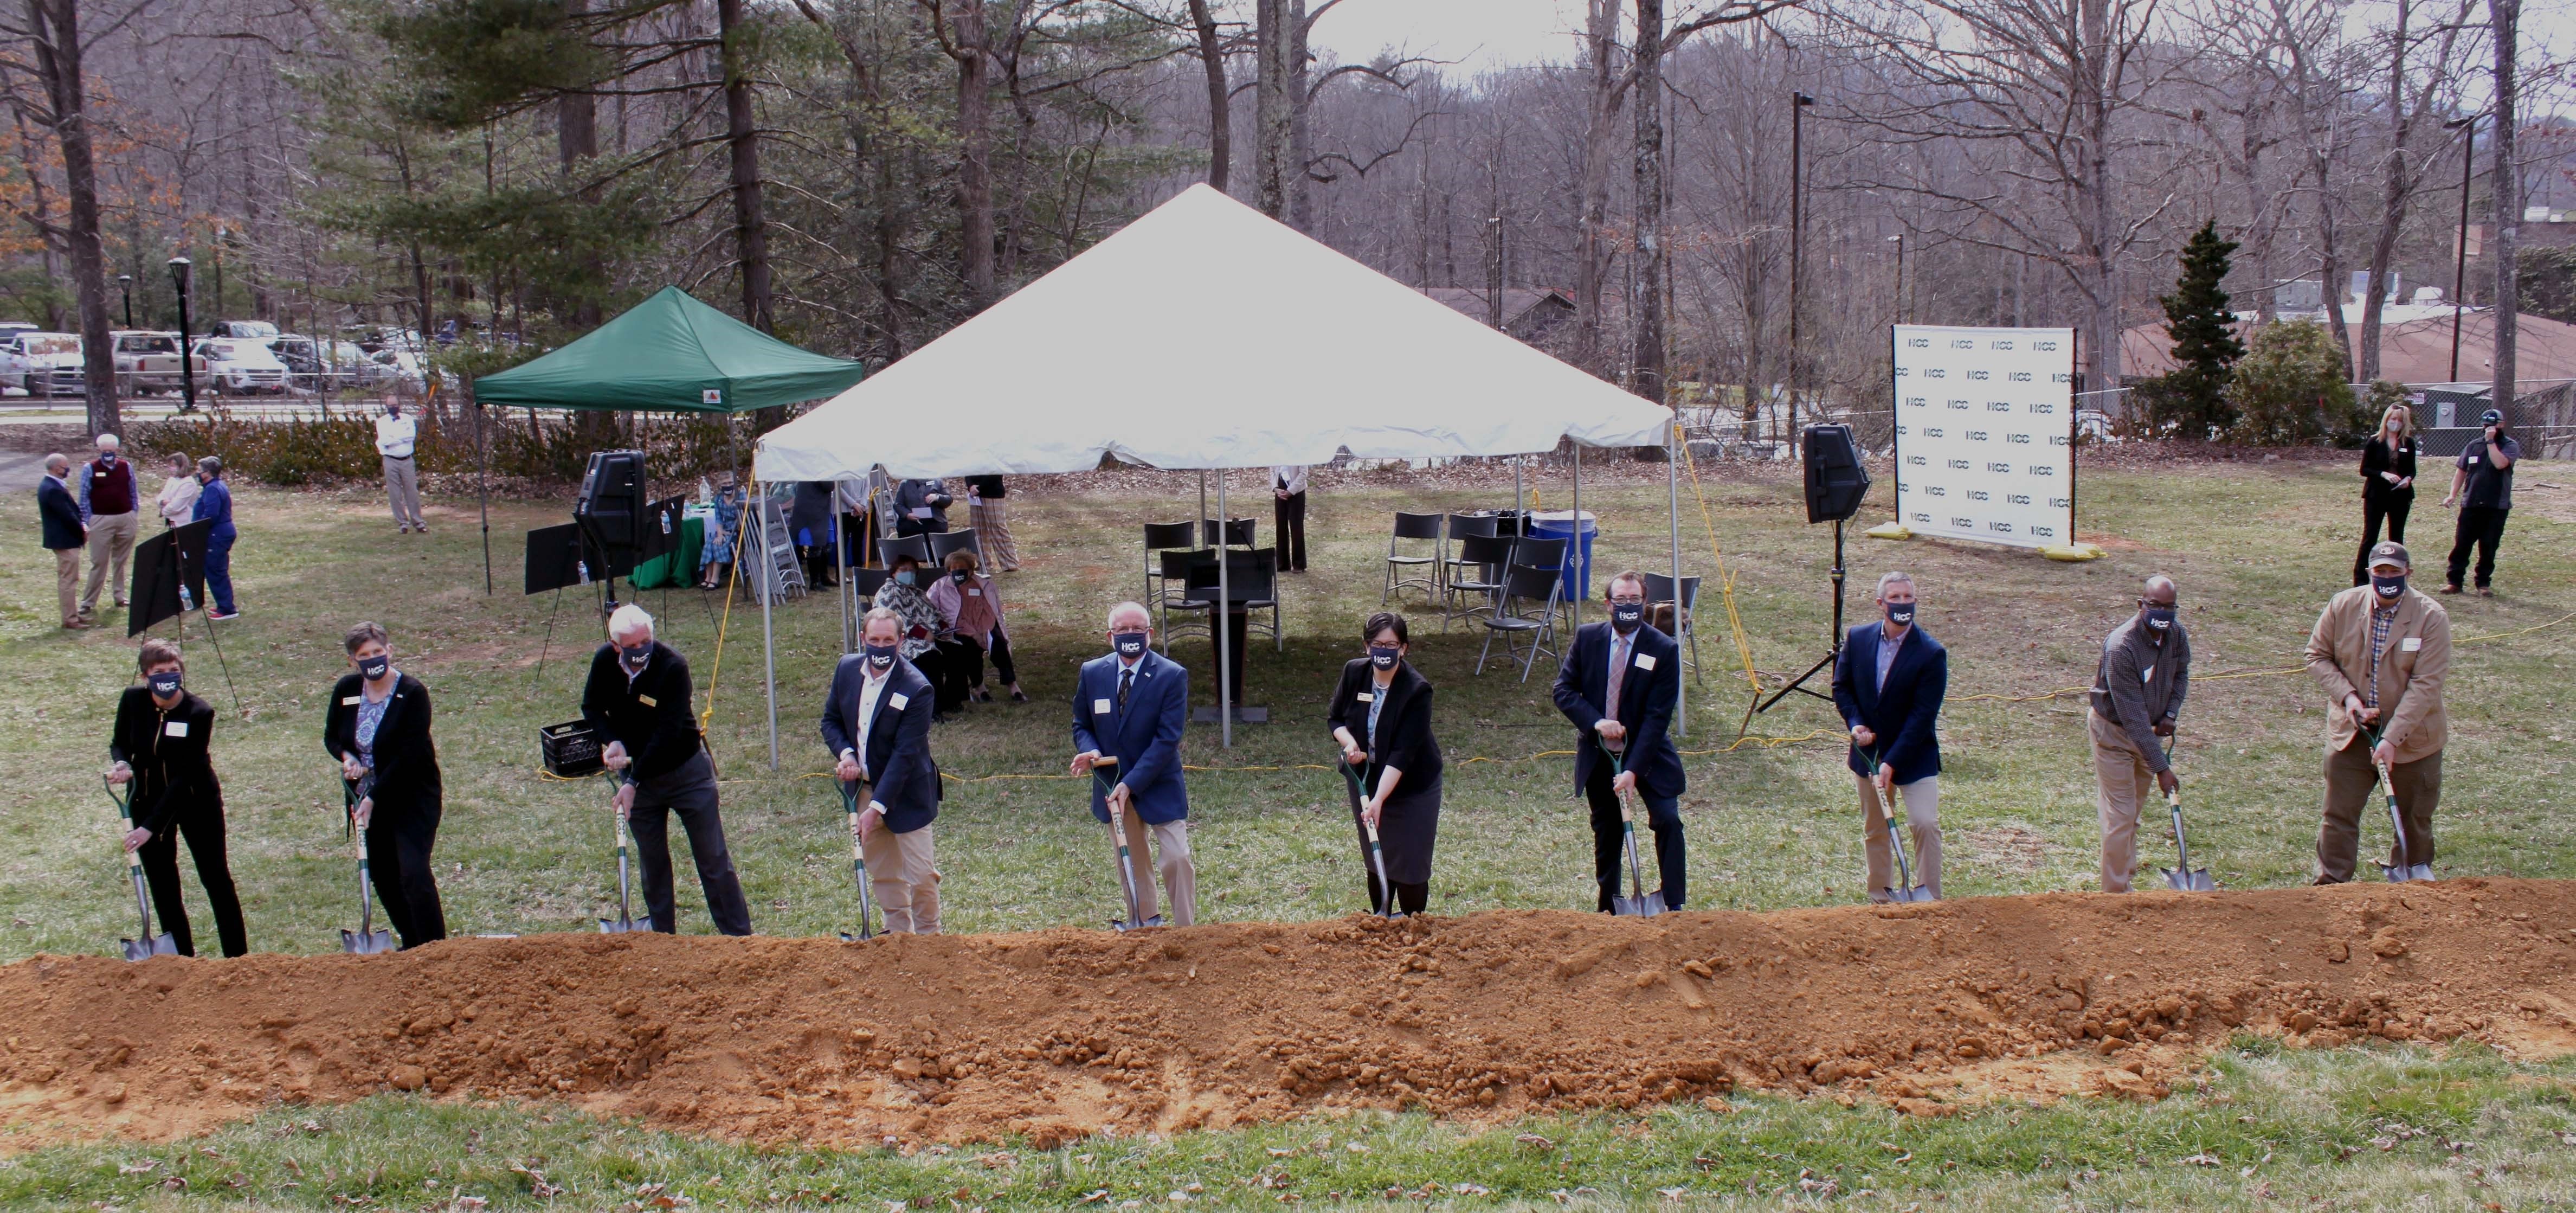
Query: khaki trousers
pixel 1172 859
pixel 1922 818
pixel 2123 784
pixel 2351 791
pixel 902 880
pixel 402 488
pixel 111 541
pixel 67 583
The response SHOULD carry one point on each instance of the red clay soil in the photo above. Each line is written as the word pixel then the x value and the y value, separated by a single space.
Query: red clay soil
pixel 1065 1032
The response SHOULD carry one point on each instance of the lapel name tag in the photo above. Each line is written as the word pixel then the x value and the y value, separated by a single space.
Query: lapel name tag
pixel 2411 644
pixel 896 701
pixel 974 592
pixel 648 701
pixel 350 701
pixel 2147 675
pixel 1101 707
pixel 1645 662
pixel 174 728
pixel 1365 697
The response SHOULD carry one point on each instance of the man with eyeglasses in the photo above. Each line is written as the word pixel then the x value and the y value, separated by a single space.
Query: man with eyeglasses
pixel 1129 708
pixel 2137 695
pixel 1620 685
pixel 637 697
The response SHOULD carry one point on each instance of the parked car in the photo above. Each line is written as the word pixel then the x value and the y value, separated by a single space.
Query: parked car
pixel 308 362
pixel 358 367
pixel 43 364
pixel 403 368
pixel 259 329
pixel 149 361
pixel 240 366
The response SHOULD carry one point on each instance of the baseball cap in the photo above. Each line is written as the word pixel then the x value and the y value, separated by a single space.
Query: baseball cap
pixel 2390 551
pixel 2491 416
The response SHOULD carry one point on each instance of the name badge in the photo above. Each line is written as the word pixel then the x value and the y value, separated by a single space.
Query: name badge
pixel 648 701
pixel 1645 662
pixel 1365 697
pixel 974 592
pixel 99 475
pixel 2410 644
pixel 350 701
pixel 2147 675
pixel 174 728
pixel 896 702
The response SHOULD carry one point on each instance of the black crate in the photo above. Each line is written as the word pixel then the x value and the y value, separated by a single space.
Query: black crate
pixel 570 750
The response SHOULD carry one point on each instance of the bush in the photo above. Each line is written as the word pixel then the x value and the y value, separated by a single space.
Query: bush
pixel 2289 390
pixel 337 446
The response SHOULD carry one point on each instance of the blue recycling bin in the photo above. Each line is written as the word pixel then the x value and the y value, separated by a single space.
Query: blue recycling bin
pixel 1560 524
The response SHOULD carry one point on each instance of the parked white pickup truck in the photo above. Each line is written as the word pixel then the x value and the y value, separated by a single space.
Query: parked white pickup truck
pixel 149 361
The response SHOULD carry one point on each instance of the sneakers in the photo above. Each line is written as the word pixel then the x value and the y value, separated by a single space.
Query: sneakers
pixel 231 614
pixel 2450 589
pixel 2486 591
pixel 77 625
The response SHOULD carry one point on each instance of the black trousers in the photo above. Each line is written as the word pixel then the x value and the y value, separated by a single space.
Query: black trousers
pixel 2391 508
pixel 398 865
pixel 689 792
pixel 961 663
pixel 1288 527
pixel 1609 854
pixel 2481 527
pixel 1002 664
pixel 203 826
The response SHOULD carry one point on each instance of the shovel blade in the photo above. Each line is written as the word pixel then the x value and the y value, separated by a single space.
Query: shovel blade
pixel 2406 873
pixel 366 943
pixel 1124 925
pixel 621 926
pixel 1917 893
pixel 146 949
pixel 2194 881
pixel 1639 907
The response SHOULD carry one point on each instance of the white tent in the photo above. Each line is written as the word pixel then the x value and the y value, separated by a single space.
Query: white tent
pixel 1206 335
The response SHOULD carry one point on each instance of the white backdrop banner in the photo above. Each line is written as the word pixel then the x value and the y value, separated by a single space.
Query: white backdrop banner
pixel 1984 427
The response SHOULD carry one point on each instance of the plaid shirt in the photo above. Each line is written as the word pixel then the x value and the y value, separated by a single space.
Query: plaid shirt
pixel 2380 619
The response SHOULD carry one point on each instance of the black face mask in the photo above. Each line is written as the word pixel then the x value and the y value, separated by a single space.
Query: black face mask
pixel 1384 656
pixel 881 655
pixel 959 576
pixel 164 684
pixel 1128 644
pixel 1625 616
pixel 2389 589
pixel 2160 619
pixel 1900 613
pixel 634 658
pixel 373 668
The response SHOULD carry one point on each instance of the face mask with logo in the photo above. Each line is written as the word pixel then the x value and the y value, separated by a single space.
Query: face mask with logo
pixel 373 668
pixel 1384 656
pixel 903 577
pixel 634 658
pixel 165 684
pixel 1625 616
pixel 2388 588
pixel 881 655
pixel 959 576
pixel 1900 613
pixel 1128 644
pixel 2160 619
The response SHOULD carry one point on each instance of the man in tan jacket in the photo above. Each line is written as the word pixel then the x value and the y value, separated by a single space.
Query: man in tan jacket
pixel 2380 651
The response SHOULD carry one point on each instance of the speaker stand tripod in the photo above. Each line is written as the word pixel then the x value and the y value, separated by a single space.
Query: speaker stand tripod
pixel 1823 664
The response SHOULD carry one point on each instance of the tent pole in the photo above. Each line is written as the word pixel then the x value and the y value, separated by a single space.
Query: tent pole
pixel 482 485
pixel 1520 496
pixel 1583 567
pixel 768 638
pixel 1220 534
pixel 1224 628
pixel 1673 491
pixel 841 567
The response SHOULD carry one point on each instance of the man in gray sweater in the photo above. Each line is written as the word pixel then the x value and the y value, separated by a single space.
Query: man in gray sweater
pixel 2137 694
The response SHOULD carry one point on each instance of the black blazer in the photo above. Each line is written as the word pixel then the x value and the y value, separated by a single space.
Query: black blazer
pixel 172 772
pixel 1404 739
pixel 651 716
pixel 1904 713
pixel 1648 694
pixel 407 781
pixel 61 513
pixel 2377 458
pixel 896 750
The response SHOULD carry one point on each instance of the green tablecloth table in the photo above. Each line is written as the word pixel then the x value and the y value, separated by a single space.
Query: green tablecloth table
pixel 676 568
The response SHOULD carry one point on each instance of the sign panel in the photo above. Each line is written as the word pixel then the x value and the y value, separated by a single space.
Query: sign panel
pixel 1984 433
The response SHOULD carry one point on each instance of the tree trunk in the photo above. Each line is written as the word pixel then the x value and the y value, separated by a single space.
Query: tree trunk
pixel 2505 184
pixel 1271 110
pixel 973 52
pixel 2330 265
pixel 577 140
pixel 750 223
pixel 1494 230
pixel 1220 108
pixel 1592 253
pixel 1649 355
pixel 55 25
pixel 1301 148
pixel 2102 294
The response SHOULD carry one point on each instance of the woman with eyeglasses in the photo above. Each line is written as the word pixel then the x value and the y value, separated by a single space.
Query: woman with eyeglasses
pixel 907 594
pixel 160 756
pixel 1380 716
pixel 377 726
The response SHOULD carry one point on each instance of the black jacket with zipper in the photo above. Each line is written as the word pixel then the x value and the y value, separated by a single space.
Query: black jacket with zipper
pixel 167 749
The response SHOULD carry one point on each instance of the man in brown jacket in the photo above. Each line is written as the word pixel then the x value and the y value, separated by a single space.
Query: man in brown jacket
pixel 2380 651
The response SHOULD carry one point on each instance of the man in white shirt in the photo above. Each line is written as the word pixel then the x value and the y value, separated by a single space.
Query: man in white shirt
pixel 396 435
pixel 1288 516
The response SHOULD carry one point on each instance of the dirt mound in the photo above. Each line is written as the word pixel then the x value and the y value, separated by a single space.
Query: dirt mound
pixel 1066 1032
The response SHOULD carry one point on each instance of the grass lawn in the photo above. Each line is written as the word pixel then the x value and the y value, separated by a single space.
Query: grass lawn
pixel 2256 547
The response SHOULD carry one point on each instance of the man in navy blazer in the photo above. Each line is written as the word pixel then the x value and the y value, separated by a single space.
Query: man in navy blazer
pixel 877 722
pixel 1130 707
pixel 65 535
pixel 1646 665
pixel 1888 683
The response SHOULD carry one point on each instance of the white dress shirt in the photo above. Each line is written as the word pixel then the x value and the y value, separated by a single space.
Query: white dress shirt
pixel 1290 479
pixel 395 436
pixel 871 689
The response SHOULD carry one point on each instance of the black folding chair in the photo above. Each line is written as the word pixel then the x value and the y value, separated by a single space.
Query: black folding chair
pixel 1253 578
pixel 1480 564
pixel 1238 533
pixel 1659 591
pixel 1162 537
pixel 1524 587
pixel 1418 528
pixel 1457 531
pixel 1544 553
pixel 915 546
pixel 1182 569
pixel 944 542
pixel 866 582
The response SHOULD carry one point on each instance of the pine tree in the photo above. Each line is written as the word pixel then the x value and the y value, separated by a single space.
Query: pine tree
pixel 2192 399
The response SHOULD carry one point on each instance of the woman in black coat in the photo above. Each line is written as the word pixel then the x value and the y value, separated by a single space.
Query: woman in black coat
pixel 2387 484
pixel 160 751
pixel 378 728
pixel 1381 717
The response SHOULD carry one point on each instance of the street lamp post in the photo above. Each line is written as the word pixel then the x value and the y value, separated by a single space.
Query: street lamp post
pixel 179 267
pixel 125 286
pixel 1798 103
pixel 2460 266
pixel 1899 304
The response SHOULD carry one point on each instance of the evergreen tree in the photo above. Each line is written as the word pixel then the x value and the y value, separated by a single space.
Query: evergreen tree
pixel 2192 401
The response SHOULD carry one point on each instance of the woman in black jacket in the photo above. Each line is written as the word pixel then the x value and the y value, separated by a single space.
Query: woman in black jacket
pixel 159 750
pixel 378 728
pixel 1381 717
pixel 2387 483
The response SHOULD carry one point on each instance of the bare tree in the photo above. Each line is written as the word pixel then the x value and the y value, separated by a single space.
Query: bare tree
pixel 2411 111
pixel 2505 184
pixel 53 31
pixel 1220 98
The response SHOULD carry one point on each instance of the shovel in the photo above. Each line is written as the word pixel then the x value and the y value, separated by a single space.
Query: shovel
pixel 2397 873
pixel 626 922
pixel 2187 879
pixel 1643 904
pixel 1906 889
pixel 1377 857
pixel 858 864
pixel 366 940
pixel 148 945
pixel 1126 862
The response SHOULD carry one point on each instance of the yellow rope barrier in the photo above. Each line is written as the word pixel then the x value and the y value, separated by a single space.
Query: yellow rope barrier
pixel 1725 575
pixel 2231 675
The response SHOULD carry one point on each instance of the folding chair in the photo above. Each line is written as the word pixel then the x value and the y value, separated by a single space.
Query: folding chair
pixel 1480 564
pixel 1160 537
pixel 1544 553
pixel 915 546
pixel 1459 528
pixel 1182 569
pixel 1420 528
pixel 1523 586
pixel 866 582
pixel 1659 593
pixel 1253 578
pixel 944 542
pixel 1238 533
